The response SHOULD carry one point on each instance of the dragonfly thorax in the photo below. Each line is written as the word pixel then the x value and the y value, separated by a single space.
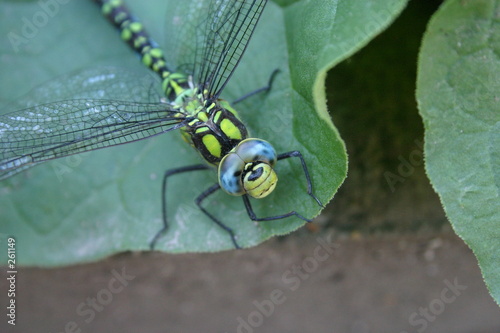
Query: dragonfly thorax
pixel 248 169
pixel 214 130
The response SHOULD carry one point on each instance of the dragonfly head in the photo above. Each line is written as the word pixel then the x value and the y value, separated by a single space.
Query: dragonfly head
pixel 248 169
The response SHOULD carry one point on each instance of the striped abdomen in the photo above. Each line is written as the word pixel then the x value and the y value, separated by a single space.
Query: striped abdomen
pixel 132 31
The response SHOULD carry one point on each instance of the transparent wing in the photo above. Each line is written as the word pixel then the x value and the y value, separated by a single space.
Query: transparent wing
pixel 59 129
pixel 95 83
pixel 207 38
pixel 111 106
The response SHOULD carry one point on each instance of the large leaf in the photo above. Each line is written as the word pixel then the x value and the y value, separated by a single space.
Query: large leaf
pixel 458 93
pixel 88 206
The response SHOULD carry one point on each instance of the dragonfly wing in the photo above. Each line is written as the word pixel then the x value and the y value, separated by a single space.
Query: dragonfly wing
pixel 79 94
pixel 212 46
pixel 95 83
pixel 59 129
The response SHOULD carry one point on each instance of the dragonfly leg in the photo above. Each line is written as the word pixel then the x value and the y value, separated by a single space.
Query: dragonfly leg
pixel 167 174
pixel 255 92
pixel 253 217
pixel 297 153
pixel 199 201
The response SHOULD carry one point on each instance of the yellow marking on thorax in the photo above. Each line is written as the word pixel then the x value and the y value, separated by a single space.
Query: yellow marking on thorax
pixel 202 115
pixel 230 130
pixel 212 145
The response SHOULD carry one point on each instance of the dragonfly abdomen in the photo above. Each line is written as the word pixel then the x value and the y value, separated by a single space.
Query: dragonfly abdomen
pixel 132 31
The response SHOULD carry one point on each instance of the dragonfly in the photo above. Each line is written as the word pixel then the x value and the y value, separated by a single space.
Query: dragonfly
pixel 191 104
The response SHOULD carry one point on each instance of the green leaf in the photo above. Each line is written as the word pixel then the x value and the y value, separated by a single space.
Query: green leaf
pixel 458 93
pixel 88 206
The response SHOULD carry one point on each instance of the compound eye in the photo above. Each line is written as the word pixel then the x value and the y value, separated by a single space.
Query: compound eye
pixel 230 170
pixel 259 179
pixel 253 150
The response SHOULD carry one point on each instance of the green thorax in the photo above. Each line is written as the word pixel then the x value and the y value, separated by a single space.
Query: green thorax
pixel 215 128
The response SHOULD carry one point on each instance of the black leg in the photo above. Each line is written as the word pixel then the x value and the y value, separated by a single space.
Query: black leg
pixel 297 153
pixel 253 217
pixel 167 174
pixel 200 199
pixel 265 88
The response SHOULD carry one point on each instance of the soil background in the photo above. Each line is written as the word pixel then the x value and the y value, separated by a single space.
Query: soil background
pixel 366 285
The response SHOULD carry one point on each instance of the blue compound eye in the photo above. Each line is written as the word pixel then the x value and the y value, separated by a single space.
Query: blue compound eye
pixel 230 170
pixel 248 168
pixel 256 150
